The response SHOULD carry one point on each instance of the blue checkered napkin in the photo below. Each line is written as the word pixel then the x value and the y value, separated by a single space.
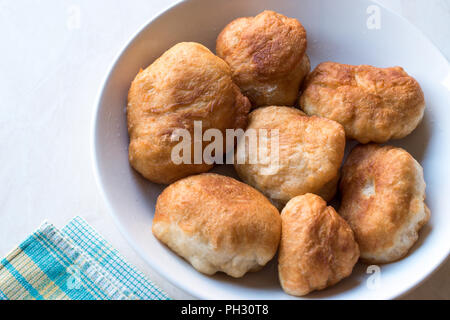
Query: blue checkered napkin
pixel 110 260
pixel 75 263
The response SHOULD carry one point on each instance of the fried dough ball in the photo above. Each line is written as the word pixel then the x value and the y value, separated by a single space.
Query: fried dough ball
pixel 187 83
pixel 310 152
pixel 383 193
pixel 267 56
pixel 373 104
pixel 317 247
pixel 218 224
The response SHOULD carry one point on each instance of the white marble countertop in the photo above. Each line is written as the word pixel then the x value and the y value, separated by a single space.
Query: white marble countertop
pixel 54 55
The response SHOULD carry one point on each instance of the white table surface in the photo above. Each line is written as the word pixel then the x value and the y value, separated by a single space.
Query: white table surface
pixel 54 55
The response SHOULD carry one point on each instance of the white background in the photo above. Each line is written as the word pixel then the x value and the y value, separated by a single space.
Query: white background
pixel 54 55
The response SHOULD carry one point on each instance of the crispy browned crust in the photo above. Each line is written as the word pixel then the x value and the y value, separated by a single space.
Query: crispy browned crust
pixel 218 224
pixel 317 247
pixel 383 195
pixel 267 56
pixel 185 84
pixel 373 104
pixel 310 154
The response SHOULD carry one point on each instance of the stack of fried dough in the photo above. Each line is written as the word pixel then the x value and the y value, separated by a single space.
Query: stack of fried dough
pixel 260 79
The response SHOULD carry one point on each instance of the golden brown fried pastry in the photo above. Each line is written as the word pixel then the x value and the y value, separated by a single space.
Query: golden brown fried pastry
pixel 187 83
pixel 383 193
pixel 373 104
pixel 218 224
pixel 267 56
pixel 317 247
pixel 310 154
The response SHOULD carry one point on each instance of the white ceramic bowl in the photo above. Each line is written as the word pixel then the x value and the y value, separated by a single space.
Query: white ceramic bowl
pixel 337 31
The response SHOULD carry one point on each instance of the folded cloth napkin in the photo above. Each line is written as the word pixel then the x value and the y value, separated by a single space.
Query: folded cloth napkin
pixel 74 263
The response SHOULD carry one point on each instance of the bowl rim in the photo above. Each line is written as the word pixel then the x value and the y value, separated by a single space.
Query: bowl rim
pixel 96 170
